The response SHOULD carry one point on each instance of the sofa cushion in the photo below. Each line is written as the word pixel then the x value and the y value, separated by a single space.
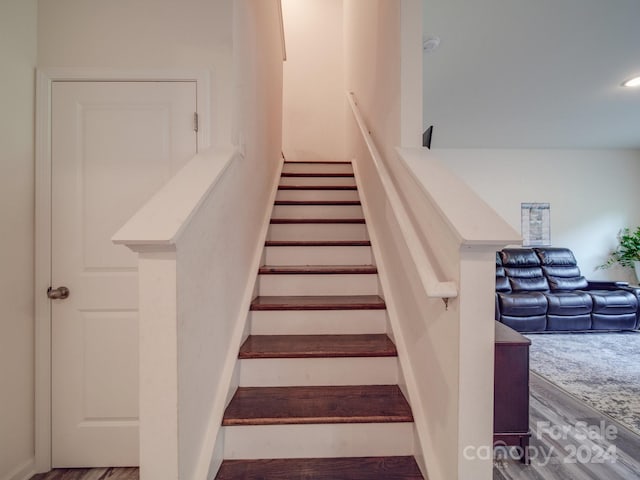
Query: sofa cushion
pixel 613 302
pixel 502 282
pixel 519 257
pixel 569 303
pixel 528 284
pixel 626 321
pixel 522 304
pixel 569 322
pixel 556 257
pixel 569 311
pixel 560 268
pixel 558 271
pixel 522 268
pixel 534 323
pixel 523 272
pixel 571 283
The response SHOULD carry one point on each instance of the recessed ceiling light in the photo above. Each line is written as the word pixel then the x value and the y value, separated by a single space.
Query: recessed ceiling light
pixel 632 82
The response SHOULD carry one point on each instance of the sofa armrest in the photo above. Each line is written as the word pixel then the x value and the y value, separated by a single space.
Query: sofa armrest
pixel 606 285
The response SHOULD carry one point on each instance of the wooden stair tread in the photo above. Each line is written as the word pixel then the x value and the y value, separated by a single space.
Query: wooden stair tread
pixel 298 162
pixel 317 270
pixel 339 203
pixel 317 346
pixel 317 187
pixel 318 174
pixel 315 405
pixel 317 243
pixel 334 302
pixel 347 468
pixel 292 221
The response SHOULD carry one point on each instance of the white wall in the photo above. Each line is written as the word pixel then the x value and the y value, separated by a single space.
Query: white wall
pixel 372 57
pixel 18 20
pixel 593 194
pixel 144 34
pixel 314 100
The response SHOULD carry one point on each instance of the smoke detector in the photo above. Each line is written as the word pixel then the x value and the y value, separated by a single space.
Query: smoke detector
pixel 430 44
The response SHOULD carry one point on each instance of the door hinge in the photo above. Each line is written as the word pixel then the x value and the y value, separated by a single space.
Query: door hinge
pixel 195 122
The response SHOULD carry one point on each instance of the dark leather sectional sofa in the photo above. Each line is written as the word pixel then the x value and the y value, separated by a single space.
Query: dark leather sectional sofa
pixel 541 289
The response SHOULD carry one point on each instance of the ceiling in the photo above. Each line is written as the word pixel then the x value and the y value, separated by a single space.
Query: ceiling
pixel 532 74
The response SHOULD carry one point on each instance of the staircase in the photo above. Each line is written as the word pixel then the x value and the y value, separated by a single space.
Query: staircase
pixel 318 396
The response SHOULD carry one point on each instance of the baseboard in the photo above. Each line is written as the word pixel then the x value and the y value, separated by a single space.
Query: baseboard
pixel 211 443
pixel 23 472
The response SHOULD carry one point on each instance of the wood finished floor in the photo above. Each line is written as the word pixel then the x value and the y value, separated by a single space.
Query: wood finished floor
pixel 363 468
pixel 316 175
pixel 318 202
pixel 317 269
pixel 111 473
pixel 548 404
pixel 317 187
pixel 583 452
pixel 322 221
pixel 333 404
pixel 350 302
pixel 317 346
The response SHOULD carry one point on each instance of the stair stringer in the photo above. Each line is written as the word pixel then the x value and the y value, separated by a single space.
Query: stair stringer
pixel 406 375
pixel 211 450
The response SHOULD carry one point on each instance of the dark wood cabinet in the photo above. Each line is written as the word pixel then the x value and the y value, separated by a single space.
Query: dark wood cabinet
pixel 511 389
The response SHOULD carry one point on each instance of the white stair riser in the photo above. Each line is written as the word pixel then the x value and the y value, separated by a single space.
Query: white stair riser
pixel 309 284
pixel 318 322
pixel 312 195
pixel 318 231
pixel 318 256
pixel 317 211
pixel 319 441
pixel 318 181
pixel 317 168
pixel 289 372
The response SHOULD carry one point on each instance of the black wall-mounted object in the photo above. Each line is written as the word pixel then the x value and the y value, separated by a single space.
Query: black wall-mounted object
pixel 426 137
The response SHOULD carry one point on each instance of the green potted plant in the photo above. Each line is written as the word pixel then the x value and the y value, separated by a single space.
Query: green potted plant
pixel 627 253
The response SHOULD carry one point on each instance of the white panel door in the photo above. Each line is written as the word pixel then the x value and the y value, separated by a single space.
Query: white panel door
pixel 113 145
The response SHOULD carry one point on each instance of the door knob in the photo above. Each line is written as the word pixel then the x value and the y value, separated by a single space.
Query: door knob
pixel 59 293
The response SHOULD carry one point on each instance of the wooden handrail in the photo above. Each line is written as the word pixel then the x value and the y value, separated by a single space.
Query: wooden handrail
pixel 282 36
pixel 434 287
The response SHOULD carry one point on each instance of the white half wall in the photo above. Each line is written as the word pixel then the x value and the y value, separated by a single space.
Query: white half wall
pixel 145 34
pixel 448 372
pixel 593 194
pixel 314 105
pixel 18 23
